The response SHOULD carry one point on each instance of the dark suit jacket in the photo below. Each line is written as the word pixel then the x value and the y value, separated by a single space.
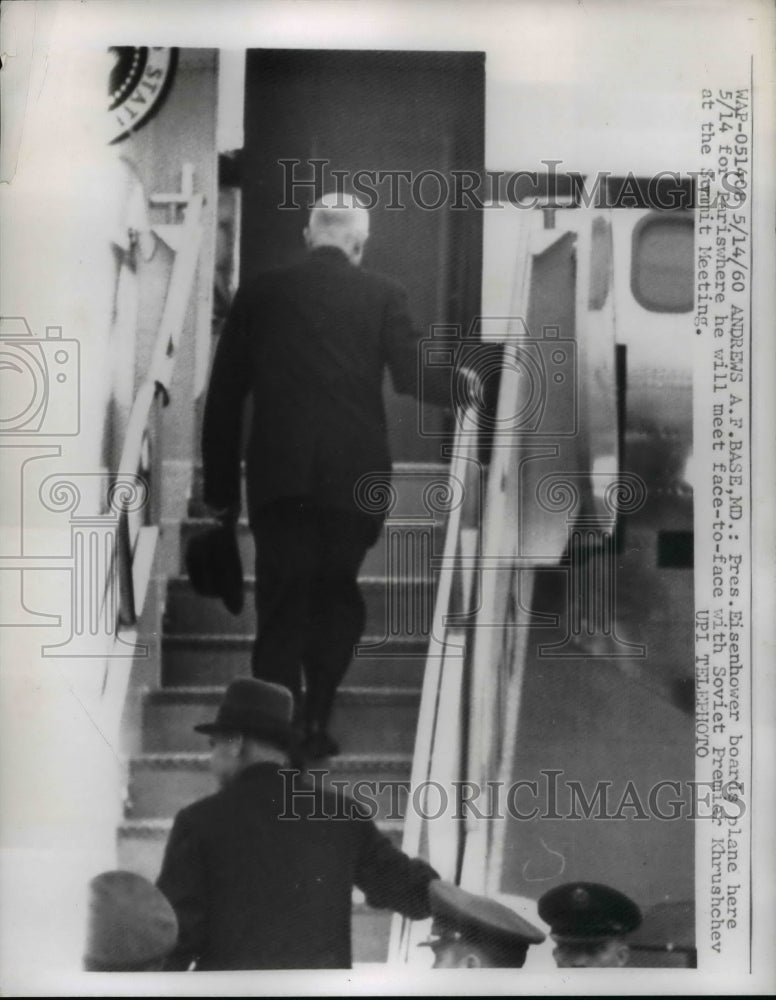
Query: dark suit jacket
pixel 254 891
pixel 311 343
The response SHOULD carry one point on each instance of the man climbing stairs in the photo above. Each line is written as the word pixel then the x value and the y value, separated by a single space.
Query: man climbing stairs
pixel 375 716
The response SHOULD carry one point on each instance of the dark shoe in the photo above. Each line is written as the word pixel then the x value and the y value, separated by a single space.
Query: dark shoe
pixel 318 744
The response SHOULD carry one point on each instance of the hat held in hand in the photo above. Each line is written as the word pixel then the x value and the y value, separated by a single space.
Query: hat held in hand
pixel 131 925
pixel 214 566
pixel 477 920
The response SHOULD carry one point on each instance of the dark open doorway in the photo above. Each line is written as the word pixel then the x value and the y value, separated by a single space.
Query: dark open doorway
pixel 372 111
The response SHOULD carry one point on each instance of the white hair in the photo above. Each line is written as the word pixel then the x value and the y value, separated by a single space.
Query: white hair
pixel 338 219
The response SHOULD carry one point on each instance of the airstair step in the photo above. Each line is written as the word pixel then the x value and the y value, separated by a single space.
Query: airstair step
pixel 163 783
pixel 411 482
pixel 422 540
pixel 218 659
pixel 401 607
pixel 377 720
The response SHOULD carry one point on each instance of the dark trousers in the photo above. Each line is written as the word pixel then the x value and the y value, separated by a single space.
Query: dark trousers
pixel 309 608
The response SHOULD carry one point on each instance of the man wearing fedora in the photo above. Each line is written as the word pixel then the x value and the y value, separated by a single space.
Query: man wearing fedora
pixel 261 873
pixel 310 343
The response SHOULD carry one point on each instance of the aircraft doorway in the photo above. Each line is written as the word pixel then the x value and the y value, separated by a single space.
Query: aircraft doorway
pixel 372 111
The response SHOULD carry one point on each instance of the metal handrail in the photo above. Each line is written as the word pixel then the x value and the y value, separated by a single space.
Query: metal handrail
pixel 155 386
pixel 483 675
pixel 465 444
pixel 463 450
pixel 493 695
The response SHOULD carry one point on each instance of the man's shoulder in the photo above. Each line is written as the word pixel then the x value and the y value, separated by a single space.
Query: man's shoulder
pixel 210 812
pixel 307 796
pixel 266 278
pixel 390 286
pixel 202 811
pixel 292 279
pixel 289 792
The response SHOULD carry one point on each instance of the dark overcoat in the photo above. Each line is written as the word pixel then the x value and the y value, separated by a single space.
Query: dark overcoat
pixel 261 877
pixel 311 343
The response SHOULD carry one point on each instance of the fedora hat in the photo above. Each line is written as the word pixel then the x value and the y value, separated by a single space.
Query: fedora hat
pixel 255 708
pixel 214 566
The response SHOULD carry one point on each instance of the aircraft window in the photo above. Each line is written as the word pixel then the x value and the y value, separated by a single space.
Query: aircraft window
pixel 662 262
